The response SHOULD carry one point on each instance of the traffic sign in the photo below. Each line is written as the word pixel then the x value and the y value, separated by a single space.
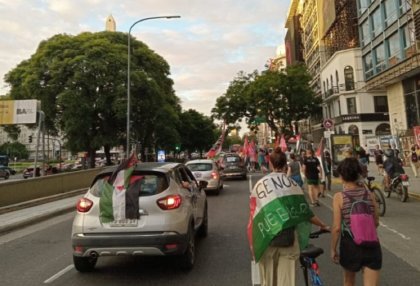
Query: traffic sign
pixel 328 124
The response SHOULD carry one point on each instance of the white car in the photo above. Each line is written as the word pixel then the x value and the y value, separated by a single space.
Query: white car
pixel 207 170
pixel 164 206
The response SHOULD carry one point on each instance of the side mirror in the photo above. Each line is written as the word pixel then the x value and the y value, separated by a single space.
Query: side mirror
pixel 202 184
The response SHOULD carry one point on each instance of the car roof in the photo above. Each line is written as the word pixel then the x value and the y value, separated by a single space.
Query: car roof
pixel 163 167
pixel 208 161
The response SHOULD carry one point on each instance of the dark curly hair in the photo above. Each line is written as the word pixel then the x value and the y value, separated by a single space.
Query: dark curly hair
pixel 278 159
pixel 349 169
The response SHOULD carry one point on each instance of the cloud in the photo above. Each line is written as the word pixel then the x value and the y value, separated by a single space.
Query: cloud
pixel 206 48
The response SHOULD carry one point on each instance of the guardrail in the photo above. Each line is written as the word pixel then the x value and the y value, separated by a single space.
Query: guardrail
pixel 15 192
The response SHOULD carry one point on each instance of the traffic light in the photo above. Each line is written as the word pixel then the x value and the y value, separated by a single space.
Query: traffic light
pixel 30 138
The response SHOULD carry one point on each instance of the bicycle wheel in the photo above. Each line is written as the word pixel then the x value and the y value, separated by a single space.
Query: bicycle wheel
pixel 404 194
pixel 386 190
pixel 380 199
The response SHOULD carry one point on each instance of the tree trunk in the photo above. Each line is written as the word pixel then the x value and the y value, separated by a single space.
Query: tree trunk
pixel 92 156
pixel 107 150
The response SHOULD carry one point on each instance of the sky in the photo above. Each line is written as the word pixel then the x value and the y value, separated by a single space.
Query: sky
pixel 205 48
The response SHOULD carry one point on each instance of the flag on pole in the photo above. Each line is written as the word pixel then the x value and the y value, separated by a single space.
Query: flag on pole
pixel 271 212
pixel 217 147
pixel 113 205
pixel 319 153
pixel 246 146
pixel 283 144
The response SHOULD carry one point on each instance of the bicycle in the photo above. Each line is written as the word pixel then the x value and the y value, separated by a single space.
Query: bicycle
pixel 380 199
pixel 308 261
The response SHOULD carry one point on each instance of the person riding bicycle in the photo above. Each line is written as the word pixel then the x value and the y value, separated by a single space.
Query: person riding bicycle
pixel 392 166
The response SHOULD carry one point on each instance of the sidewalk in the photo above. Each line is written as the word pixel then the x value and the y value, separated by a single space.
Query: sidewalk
pixel 15 217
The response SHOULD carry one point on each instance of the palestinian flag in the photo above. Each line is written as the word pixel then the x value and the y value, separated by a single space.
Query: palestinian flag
pixel 276 203
pixel 117 198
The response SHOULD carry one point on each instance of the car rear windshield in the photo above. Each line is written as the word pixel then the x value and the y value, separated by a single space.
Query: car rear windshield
pixel 200 167
pixel 141 183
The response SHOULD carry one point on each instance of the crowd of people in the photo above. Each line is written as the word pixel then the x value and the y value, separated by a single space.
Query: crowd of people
pixel 307 170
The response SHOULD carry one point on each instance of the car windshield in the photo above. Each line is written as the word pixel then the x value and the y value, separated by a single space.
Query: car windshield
pixel 141 183
pixel 200 167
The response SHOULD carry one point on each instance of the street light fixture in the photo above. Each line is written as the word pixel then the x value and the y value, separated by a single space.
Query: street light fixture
pixel 128 75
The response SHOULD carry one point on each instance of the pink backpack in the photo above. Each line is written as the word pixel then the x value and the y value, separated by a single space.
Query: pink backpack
pixel 362 222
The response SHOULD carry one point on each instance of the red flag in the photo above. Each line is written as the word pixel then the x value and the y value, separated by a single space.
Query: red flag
pixel 246 146
pixel 277 142
pixel 320 150
pixel 283 144
pixel 217 147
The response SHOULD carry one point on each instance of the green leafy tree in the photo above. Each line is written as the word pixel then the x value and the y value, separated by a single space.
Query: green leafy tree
pixel 14 149
pixel 277 98
pixel 197 131
pixel 81 83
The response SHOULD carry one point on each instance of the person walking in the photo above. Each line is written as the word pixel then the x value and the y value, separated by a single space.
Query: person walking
pixel 276 247
pixel 312 170
pixel 293 170
pixel 353 257
pixel 414 160
pixel 379 160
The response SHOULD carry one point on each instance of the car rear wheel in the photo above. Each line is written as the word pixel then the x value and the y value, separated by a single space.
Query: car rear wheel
pixel 84 264
pixel 187 259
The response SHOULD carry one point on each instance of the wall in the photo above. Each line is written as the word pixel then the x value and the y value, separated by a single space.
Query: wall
pixel 14 192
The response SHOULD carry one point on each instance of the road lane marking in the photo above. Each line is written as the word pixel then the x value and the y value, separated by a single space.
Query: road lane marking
pixel 394 231
pixel 59 274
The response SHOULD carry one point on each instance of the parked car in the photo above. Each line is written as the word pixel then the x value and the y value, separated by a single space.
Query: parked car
pixel 29 172
pixel 167 208
pixel 208 171
pixel 4 173
pixel 233 166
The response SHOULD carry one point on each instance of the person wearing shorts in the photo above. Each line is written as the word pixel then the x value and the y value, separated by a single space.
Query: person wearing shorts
pixel 312 170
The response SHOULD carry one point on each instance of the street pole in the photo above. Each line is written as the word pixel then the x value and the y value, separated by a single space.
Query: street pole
pixel 128 75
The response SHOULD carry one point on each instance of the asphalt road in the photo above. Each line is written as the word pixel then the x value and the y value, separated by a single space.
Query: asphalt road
pixel 41 254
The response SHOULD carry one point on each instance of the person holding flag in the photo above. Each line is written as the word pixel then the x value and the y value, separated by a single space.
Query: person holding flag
pixel 276 231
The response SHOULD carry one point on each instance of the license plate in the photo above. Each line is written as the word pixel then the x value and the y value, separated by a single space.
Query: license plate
pixel 124 223
pixel 406 183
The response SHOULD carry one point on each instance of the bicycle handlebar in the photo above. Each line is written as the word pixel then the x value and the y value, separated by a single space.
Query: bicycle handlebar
pixel 316 234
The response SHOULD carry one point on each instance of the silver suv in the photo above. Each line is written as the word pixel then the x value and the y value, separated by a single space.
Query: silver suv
pixel 207 170
pixel 161 211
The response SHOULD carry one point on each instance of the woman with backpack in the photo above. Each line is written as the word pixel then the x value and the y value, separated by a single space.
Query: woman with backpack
pixel 355 234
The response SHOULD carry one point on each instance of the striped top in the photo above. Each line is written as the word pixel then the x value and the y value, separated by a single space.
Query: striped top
pixel 356 194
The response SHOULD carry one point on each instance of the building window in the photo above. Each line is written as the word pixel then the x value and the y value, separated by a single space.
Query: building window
pixel 402 6
pixel 363 5
pixel 377 27
pixel 336 78
pixel 367 63
pixel 390 9
pixel 365 33
pixel 349 78
pixel 409 37
pixel 351 105
pixel 379 53
pixel 393 46
pixel 380 103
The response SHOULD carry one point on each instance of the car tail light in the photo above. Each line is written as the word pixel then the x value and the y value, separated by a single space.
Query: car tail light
pixel 214 175
pixel 404 177
pixel 170 202
pixel 84 205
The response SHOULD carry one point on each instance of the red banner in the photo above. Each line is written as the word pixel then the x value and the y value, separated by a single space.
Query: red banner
pixel 416 131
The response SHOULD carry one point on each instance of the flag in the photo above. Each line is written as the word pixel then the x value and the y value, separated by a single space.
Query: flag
pixel 283 144
pixel 277 142
pixel 113 203
pixel 319 153
pixel 246 146
pixel 274 210
pixel 217 147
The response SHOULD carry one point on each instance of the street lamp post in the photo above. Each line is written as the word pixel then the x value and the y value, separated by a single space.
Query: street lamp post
pixel 128 75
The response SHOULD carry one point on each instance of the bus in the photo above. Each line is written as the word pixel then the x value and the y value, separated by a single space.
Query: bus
pixel 4 160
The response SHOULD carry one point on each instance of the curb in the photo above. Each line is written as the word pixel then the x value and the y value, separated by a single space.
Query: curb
pixel 35 219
